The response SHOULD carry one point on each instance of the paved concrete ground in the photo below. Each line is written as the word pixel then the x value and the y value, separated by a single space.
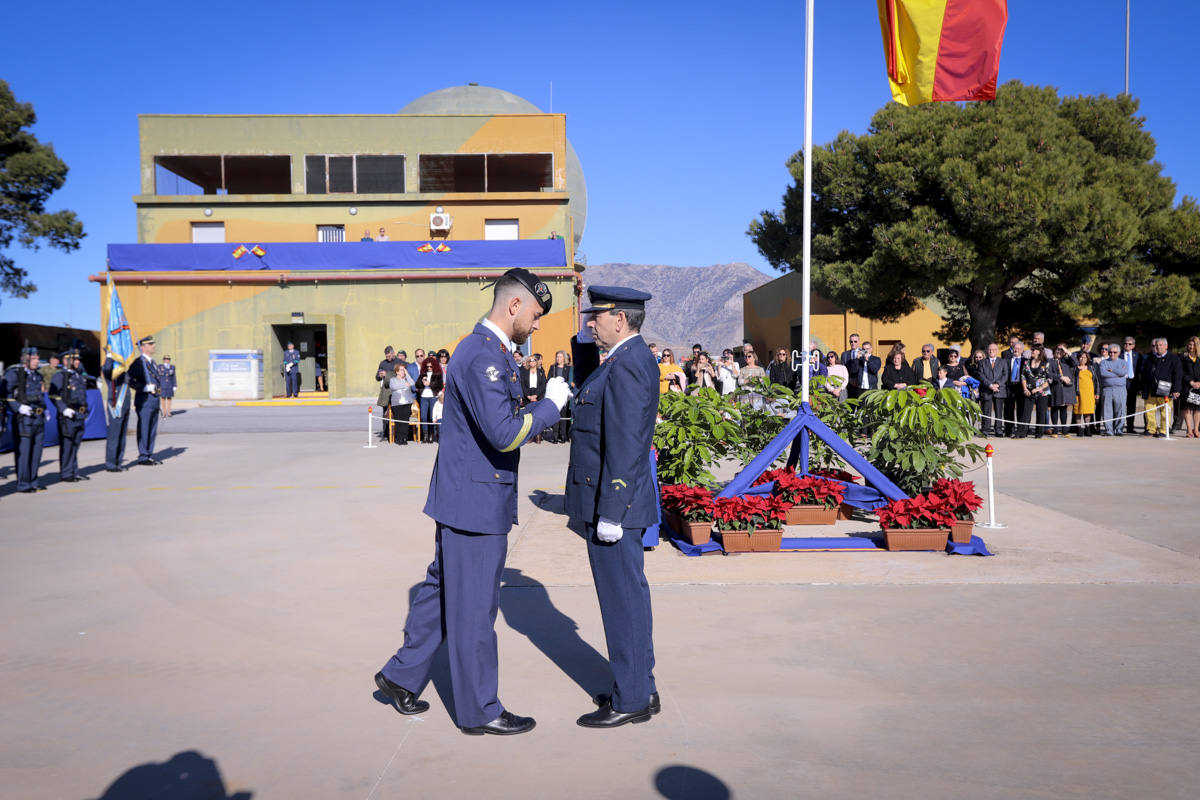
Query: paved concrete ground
pixel 222 615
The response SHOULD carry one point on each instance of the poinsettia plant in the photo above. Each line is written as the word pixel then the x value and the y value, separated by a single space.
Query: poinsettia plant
pixel 693 503
pixel 959 495
pixel 773 475
pixel 809 490
pixel 921 511
pixel 836 474
pixel 748 513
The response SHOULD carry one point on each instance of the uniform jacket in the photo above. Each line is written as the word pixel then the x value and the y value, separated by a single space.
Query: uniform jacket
pixel 474 482
pixel 290 357
pixel 166 377
pixel 615 408
pixel 24 387
pixel 142 373
pixel 68 389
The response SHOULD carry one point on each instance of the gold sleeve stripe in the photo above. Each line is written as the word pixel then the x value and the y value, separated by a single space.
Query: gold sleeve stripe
pixel 521 434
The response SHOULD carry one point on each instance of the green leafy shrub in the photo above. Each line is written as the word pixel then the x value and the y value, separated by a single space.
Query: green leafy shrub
pixel 695 433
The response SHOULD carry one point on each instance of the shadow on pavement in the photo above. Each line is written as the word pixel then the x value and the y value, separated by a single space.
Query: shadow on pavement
pixel 556 504
pixel 527 610
pixel 688 783
pixel 186 776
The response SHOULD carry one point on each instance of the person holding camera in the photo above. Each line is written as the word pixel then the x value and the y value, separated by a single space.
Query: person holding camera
pixel 727 372
pixel 704 374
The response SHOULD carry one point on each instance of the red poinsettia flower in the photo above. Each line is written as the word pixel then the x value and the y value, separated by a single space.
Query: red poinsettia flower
pixel 959 495
pixel 693 503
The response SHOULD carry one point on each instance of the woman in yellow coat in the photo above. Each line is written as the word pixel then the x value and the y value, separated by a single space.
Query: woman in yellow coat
pixel 666 368
pixel 1085 403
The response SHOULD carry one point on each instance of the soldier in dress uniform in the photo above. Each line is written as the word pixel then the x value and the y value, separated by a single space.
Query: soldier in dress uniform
pixel 143 379
pixel 483 426
pixel 25 398
pixel 291 371
pixel 68 392
pixel 610 488
pixel 118 424
pixel 166 384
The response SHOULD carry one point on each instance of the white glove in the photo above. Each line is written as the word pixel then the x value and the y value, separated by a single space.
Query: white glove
pixel 608 531
pixel 68 413
pixel 24 410
pixel 558 392
pixel 151 388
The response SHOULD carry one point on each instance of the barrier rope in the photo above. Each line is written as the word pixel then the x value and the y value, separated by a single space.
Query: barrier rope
pixel 1076 421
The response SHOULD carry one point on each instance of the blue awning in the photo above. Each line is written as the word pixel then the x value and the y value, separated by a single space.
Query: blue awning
pixel 493 255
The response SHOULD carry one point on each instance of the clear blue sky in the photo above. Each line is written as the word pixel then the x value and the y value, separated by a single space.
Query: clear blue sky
pixel 682 113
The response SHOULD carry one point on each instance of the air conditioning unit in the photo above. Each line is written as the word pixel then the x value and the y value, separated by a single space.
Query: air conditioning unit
pixel 440 221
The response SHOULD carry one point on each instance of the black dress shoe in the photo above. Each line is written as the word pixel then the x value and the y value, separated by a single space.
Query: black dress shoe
pixel 114 469
pixel 507 724
pixel 606 717
pixel 28 491
pixel 402 699
pixel 655 705
pixel 72 480
pixel 155 461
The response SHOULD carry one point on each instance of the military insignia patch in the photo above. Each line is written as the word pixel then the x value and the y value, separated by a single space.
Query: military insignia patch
pixel 492 373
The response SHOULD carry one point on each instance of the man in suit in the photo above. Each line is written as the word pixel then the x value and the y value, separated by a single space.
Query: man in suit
pixel 1134 361
pixel 143 380
pixel 853 353
pixel 611 490
pixel 993 389
pixel 926 366
pixel 863 371
pixel 483 426
pixel 1162 382
pixel 1016 400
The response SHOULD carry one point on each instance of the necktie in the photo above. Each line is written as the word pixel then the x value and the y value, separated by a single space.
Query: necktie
pixel 1016 368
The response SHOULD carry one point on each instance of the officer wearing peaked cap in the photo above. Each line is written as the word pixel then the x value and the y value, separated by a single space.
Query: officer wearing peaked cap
pixel 473 500
pixel 143 379
pixel 68 392
pixel 26 399
pixel 611 490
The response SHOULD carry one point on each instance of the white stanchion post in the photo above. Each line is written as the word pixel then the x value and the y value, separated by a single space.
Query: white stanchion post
pixel 1169 406
pixel 991 523
pixel 370 437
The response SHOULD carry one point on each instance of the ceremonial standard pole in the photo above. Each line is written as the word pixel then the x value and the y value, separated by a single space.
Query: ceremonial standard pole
pixel 807 252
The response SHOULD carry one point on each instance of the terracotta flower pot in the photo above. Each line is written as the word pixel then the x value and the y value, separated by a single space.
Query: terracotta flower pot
pixel 960 531
pixel 692 532
pixel 916 538
pixel 734 541
pixel 767 540
pixel 804 514
pixel 845 511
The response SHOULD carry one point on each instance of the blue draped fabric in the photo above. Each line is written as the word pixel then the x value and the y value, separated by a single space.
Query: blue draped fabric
pixel 465 254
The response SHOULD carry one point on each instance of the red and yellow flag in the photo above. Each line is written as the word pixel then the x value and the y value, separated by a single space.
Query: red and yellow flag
pixel 258 251
pixel 938 50
pixel 240 251
pixel 443 248
pixel 425 248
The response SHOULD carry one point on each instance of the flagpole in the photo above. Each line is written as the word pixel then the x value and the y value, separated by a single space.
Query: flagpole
pixel 805 270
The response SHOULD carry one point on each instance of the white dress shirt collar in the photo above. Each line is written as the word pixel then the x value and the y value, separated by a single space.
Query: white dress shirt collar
pixel 494 328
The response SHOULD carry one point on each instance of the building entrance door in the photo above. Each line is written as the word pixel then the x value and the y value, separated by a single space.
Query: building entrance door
pixel 311 341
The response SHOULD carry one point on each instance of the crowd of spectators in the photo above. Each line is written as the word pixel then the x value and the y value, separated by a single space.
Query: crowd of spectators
pixel 1026 390
pixel 421 383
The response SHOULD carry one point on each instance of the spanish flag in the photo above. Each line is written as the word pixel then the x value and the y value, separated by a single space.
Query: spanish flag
pixel 939 50
pixel 240 251
pixel 443 248
pixel 258 251
pixel 425 248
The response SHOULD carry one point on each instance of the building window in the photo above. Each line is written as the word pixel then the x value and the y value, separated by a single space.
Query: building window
pixel 331 233
pixel 497 229
pixel 487 172
pixel 361 174
pixel 175 175
pixel 208 232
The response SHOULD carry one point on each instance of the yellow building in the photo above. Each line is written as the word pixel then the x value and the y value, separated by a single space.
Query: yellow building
pixel 252 229
pixel 772 317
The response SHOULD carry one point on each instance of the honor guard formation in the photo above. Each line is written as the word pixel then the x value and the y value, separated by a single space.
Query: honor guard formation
pixel 37 394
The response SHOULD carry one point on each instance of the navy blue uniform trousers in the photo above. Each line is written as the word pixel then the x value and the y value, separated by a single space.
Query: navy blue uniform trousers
pixel 70 434
pixel 624 595
pixel 27 452
pixel 114 447
pixel 147 428
pixel 458 603
pixel 291 380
